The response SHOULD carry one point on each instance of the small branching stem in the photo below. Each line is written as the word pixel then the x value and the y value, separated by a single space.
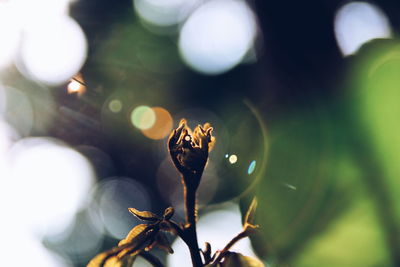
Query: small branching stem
pixel 234 240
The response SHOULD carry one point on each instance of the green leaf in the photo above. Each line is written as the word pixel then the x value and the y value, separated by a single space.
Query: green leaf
pixel 238 260
pixel 144 215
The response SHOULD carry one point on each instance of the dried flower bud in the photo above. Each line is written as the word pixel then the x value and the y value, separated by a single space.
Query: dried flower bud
pixel 189 150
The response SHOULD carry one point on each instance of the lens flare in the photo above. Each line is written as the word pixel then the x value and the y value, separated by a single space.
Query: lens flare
pixel 115 105
pixel 252 167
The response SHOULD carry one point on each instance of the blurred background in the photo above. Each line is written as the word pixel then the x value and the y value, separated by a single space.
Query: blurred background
pixel 303 96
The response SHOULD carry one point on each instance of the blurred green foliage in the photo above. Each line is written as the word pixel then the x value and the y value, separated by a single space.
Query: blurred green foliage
pixel 330 195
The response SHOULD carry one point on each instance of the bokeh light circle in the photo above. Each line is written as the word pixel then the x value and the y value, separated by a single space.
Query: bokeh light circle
pixel 162 125
pixel 49 181
pixel 143 117
pixel 357 23
pixel 53 51
pixel 164 13
pixel 217 35
pixel 112 198
pixel 115 105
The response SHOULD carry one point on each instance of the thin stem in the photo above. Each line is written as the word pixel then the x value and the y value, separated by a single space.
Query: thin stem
pixel 241 235
pixel 151 259
pixel 190 228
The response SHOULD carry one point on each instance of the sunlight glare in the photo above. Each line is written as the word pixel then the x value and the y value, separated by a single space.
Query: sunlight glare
pixel 21 250
pixel 217 36
pixel 9 34
pixel 357 23
pixel 76 85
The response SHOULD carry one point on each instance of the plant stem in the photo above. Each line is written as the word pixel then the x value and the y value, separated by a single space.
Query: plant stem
pixel 241 235
pixel 190 228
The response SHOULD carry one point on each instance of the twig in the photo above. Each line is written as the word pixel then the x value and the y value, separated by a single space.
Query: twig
pixel 222 253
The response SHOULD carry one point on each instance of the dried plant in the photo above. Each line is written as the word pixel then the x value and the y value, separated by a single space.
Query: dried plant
pixel 189 152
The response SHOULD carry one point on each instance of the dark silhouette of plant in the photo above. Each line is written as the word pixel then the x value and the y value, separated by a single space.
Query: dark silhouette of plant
pixel 189 152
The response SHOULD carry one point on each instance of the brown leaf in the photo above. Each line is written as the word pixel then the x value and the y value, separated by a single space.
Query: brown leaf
pixel 144 215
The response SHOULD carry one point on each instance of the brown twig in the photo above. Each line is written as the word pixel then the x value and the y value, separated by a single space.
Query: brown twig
pixel 234 240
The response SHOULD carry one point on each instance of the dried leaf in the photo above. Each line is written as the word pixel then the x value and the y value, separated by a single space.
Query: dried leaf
pixel 251 212
pixel 117 262
pixel 98 260
pixel 144 215
pixel 135 232
pixel 238 260
pixel 137 239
